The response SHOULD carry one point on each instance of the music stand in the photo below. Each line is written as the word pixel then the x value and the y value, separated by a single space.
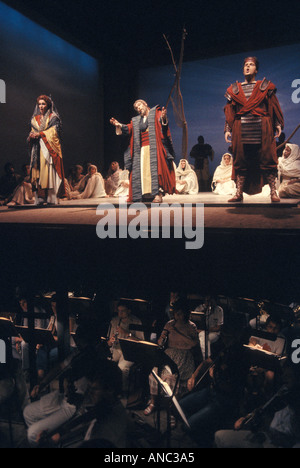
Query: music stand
pixel 151 355
pixel 201 319
pixel 37 336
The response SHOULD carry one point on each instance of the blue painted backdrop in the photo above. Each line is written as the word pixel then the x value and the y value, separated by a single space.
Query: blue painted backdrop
pixel 203 85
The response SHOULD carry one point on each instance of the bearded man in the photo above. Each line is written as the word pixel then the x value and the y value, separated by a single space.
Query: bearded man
pixel 149 158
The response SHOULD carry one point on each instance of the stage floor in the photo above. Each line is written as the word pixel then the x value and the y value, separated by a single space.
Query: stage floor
pixel 256 212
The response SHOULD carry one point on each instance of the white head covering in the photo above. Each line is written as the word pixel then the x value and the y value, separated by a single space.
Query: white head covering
pixel 180 171
pixel 223 171
pixel 290 166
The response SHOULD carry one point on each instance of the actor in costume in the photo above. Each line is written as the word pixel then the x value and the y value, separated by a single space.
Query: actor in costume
pixel 150 156
pixel 222 183
pixel 46 164
pixel 253 115
pixel 289 172
pixel 186 179
pixel 94 185
pixel 202 153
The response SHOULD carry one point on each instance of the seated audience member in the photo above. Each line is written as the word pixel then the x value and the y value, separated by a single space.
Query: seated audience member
pixel 22 195
pixel 94 185
pixel 112 179
pixel 222 183
pixel 56 407
pixel 104 423
pixel 186 179
pixel 214 320
pixel 180 338
pixel 8 182
pixel 120 328
pixel 213 405
pixel 289 172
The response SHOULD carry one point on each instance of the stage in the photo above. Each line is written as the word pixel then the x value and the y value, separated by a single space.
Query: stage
pixel 255 212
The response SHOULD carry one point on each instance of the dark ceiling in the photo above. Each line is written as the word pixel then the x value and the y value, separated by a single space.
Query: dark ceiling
pixel 132 31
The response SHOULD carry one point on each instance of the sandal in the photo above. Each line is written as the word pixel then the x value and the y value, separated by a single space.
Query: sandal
pixel 150 409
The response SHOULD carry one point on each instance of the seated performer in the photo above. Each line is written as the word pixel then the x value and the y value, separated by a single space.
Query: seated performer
pixel 56 407
pixel 8 183
pixel 186 179
pixel 212 405
pixel 47 171
pixel 180 337
pixel 103 423
pixel 22 194
pixel 112 179
pixel 94 186
pixel 214 320
pixel 150 156
pixel 273 326
pixel 76 175
pixel 273 425
pixel 123 185
pixel 120 328
pixel 289 172
pixel 222 183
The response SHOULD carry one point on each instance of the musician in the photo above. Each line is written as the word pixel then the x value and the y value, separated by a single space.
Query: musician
pixel 214 404
pixel 45 356
pixel 120 328
pixel 215 319
pixel 277 346
pixel 256 431
pixel 56 407
pixel 104 419
pixel 182 337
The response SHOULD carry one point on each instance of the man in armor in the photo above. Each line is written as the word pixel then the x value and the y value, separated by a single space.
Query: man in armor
pixel 253 121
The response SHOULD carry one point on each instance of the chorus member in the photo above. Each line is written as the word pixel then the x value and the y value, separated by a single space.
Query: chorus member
pixel 94 185
pixel 289 172
pixel 253 120
pixel 222 183
pixel 150 155
pixel 22 194
pixel 47 171
pixel 186 179
pixel 113 178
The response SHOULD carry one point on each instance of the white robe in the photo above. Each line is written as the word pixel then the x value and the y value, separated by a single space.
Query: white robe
pixel 224 172
pixel 188 175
